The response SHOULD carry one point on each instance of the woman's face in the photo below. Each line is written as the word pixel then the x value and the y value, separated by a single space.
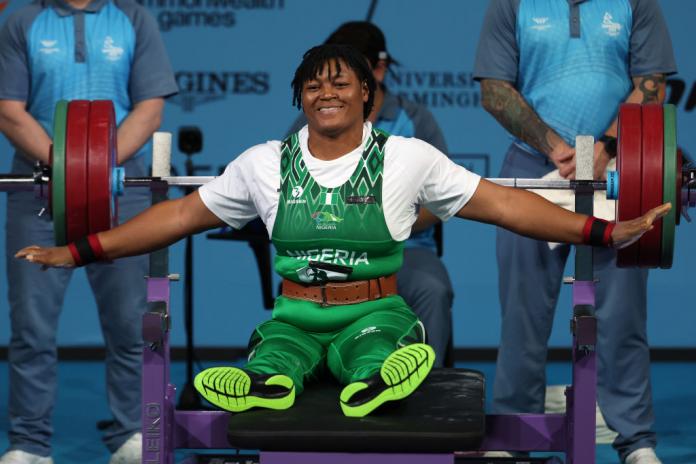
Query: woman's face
pixel 333 101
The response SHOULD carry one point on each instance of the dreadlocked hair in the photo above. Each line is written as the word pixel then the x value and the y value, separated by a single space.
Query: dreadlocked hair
pixel 315 59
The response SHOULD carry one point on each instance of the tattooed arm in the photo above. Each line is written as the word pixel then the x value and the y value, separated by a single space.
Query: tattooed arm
pixel 513 112
pixel 646 89
pixel 651 88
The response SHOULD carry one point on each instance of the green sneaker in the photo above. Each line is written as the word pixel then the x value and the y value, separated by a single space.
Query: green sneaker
pixel 401 373
pixel 236 390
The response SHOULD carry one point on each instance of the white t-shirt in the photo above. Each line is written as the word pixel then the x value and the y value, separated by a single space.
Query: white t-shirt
pixel 415 173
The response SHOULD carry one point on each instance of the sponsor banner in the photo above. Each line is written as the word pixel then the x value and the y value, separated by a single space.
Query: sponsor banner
pixel 436 89
pixel 219 14
pixel 200 87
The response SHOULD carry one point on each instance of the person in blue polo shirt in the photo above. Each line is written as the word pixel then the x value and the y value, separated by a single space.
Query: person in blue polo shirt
pixel 423 280
pixel 76 49
pixel 551 70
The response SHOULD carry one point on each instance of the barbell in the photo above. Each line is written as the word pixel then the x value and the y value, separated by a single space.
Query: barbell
pixel 83 182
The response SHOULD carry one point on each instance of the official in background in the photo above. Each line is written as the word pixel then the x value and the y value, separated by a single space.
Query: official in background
pixel 551 70
pixel 76 49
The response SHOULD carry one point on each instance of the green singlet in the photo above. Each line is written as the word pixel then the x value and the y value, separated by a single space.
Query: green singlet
pixel 344 228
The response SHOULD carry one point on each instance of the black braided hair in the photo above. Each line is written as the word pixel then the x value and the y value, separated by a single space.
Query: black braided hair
pixel 316 58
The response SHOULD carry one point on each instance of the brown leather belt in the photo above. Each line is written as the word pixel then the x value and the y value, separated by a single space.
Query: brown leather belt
pixel 340 293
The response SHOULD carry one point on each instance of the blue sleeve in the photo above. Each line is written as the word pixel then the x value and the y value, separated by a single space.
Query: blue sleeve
pixel 651 46
pixel 151 72
pixel 14 60
pixel 497 55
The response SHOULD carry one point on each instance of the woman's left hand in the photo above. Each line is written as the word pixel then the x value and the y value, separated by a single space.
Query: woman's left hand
pixel 627 232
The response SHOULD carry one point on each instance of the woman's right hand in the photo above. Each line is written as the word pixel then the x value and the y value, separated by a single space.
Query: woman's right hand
pixel 47 256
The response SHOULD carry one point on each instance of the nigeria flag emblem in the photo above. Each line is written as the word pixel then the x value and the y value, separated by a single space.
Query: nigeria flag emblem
pixel 328 198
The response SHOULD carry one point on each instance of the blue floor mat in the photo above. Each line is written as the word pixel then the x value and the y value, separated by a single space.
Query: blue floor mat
pixel 81 404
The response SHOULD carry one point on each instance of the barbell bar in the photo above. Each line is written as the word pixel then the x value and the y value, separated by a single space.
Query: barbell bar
pixel 83 182
pixel 11 182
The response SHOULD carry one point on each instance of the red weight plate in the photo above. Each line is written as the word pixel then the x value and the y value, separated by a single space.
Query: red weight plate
pixel 102 159
pixel 629 165
pixel 680 179
pixel 76 170
pixel 650 244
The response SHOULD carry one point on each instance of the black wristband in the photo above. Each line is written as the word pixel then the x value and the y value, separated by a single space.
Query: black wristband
pixel 84 248
pixel 609 144
pixel 597 232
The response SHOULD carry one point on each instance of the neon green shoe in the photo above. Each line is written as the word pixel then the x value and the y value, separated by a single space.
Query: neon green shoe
pixel 236 390
pixel 401 373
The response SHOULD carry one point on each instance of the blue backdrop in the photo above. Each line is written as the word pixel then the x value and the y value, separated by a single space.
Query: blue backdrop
pixel 234 60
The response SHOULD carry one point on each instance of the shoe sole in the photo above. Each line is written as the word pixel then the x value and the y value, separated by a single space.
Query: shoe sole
pixel 403 371
pixel 228 389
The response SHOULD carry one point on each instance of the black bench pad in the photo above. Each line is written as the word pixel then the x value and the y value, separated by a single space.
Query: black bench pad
pixel 445 414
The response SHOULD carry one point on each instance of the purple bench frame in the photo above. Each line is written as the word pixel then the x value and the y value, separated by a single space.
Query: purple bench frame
pixel 166 429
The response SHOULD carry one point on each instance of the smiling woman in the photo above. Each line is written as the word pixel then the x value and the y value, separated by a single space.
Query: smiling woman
pixel 335 86
pixel 339 199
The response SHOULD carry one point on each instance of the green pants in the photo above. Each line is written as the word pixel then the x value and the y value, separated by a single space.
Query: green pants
pixel 353 351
